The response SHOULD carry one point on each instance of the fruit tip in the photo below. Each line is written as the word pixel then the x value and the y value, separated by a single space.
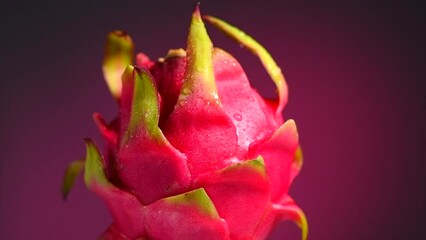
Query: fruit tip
pixel 196 13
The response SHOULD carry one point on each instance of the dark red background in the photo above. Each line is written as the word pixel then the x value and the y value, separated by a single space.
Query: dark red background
pixel 356 73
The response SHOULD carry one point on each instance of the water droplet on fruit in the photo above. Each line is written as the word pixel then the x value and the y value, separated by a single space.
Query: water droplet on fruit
pixel 238 117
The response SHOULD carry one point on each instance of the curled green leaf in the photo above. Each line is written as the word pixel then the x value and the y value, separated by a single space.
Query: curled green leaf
pixel 268 62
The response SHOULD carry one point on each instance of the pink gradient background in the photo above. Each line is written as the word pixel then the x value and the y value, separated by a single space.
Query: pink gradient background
pixel 356 73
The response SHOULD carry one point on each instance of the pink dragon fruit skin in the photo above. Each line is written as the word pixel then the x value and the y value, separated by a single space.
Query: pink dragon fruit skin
pixel 195 152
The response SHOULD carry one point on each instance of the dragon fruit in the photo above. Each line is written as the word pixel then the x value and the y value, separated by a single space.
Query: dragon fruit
pixel 195 152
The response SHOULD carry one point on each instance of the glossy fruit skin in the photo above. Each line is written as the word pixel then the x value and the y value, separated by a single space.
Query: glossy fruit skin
pixel 195 151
